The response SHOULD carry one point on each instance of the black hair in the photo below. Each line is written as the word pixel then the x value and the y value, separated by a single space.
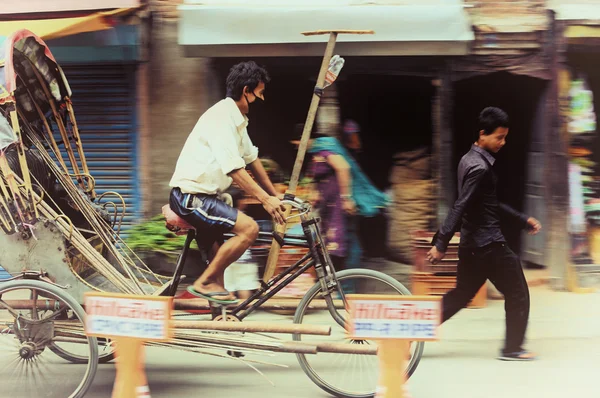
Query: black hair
pixel 245 74
pixel 490 119
pixel 299 129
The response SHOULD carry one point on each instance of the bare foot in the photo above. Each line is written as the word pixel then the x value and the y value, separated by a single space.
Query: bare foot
pixel 211 287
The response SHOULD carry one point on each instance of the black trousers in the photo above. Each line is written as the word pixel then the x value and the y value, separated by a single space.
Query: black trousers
pixel 498 263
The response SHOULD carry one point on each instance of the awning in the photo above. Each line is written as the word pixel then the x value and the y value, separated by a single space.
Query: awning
pixel 221 28
pixel 582 10
pixel 39 6
pixel 582 18
pixel 60 27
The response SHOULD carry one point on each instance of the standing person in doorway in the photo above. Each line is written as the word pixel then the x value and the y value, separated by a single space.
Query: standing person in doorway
pixel 215 154
pixel 483 252
pixel 345 192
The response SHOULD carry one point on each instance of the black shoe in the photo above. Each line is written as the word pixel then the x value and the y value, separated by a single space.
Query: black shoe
pixel 517 356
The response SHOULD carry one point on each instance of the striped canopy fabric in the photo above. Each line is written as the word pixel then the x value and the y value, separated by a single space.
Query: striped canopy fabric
pixel 25 62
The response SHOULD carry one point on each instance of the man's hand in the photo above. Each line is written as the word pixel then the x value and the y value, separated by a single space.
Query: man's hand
pixel 435 256
pixel 534 226
pixel 274 207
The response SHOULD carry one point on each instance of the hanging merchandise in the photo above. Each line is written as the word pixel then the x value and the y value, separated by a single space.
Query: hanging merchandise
pixel 582 130
pixel 582 117
pixel 577 221
pixel 583 181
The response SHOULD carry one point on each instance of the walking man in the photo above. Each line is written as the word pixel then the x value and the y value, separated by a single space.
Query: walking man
pixel 215 154
pixel 483 253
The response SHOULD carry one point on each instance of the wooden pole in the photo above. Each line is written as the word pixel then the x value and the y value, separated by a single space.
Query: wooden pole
pixel 43 305
pixel 271 304
pixel 392 364
pixel 312 112
pixel 130 368
pixel 253 327
pixel 310 120
pixel 345 348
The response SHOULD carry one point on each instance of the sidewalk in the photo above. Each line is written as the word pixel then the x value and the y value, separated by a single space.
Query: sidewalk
pixel 553 315
pixel 564 330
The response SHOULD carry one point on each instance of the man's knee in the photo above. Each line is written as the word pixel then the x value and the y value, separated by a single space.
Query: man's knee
pixel 249 230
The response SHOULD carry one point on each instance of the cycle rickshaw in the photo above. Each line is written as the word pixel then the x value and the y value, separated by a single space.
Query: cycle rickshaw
pixel 59 238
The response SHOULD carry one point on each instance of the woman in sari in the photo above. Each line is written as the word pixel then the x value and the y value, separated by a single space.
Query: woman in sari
pixel 344 192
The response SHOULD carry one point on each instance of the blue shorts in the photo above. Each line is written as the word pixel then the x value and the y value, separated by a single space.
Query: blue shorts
pixel 210 216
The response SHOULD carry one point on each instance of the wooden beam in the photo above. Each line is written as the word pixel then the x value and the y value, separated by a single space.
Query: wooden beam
pixel 253 327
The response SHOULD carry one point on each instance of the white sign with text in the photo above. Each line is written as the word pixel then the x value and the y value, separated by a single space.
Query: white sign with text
pixel 394 317
pixel 113 315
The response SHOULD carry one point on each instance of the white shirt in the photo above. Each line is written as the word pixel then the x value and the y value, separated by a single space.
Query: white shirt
pixel 218 145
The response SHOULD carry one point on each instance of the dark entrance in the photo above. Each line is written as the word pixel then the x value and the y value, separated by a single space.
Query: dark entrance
pixel 522 98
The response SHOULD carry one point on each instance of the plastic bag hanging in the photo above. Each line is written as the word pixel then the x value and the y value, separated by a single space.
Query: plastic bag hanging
pixel 335 67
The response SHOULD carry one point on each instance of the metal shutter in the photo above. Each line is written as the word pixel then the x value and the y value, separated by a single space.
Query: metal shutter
pixel 104 100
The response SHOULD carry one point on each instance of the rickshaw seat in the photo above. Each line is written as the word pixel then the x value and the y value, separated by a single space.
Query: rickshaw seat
pixel 174 223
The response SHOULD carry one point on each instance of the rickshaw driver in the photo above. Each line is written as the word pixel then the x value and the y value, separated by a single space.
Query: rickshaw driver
pixel 216 153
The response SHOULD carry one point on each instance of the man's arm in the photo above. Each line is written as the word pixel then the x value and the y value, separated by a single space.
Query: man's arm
pixel 225 150
pixel 271 203
pixel 262 177
pixel 446 232
pixel 514 214
pixel 525 222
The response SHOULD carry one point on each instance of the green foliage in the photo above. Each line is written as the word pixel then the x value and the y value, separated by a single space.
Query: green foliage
pixel 153 236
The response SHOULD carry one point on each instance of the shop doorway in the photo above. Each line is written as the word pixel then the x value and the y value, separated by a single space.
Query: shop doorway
pixel 394 115
pixel 518 164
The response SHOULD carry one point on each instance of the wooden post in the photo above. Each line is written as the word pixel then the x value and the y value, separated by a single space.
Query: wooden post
pixel 557 166
pixel 393 321
pixel 131 376
pixel 392 356
pixel 254 327
pixel 129 321
pixel 310 120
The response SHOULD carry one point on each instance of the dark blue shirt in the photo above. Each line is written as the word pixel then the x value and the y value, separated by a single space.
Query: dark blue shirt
pixel 477 206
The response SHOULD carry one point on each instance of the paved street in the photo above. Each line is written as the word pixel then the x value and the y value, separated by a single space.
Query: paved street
pixel 564 331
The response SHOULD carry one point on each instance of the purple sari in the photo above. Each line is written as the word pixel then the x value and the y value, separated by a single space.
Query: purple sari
pixel 333 218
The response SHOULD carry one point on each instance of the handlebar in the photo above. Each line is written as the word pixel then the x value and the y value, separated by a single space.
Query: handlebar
pixel 295 202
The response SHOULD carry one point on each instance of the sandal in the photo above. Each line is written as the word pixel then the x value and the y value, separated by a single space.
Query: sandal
pixel 211 296
pixel 517 356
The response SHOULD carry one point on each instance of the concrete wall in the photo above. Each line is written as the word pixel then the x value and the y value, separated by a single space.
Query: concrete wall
pixel 181 89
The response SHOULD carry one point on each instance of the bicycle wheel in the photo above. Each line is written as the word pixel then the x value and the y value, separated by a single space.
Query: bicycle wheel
pixel 106 350
pixel 347 375
pixel 28 365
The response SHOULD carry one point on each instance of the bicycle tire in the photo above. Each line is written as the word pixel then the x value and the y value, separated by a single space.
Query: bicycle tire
pixel 92 364
pixel 76 359
pixel 301 311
